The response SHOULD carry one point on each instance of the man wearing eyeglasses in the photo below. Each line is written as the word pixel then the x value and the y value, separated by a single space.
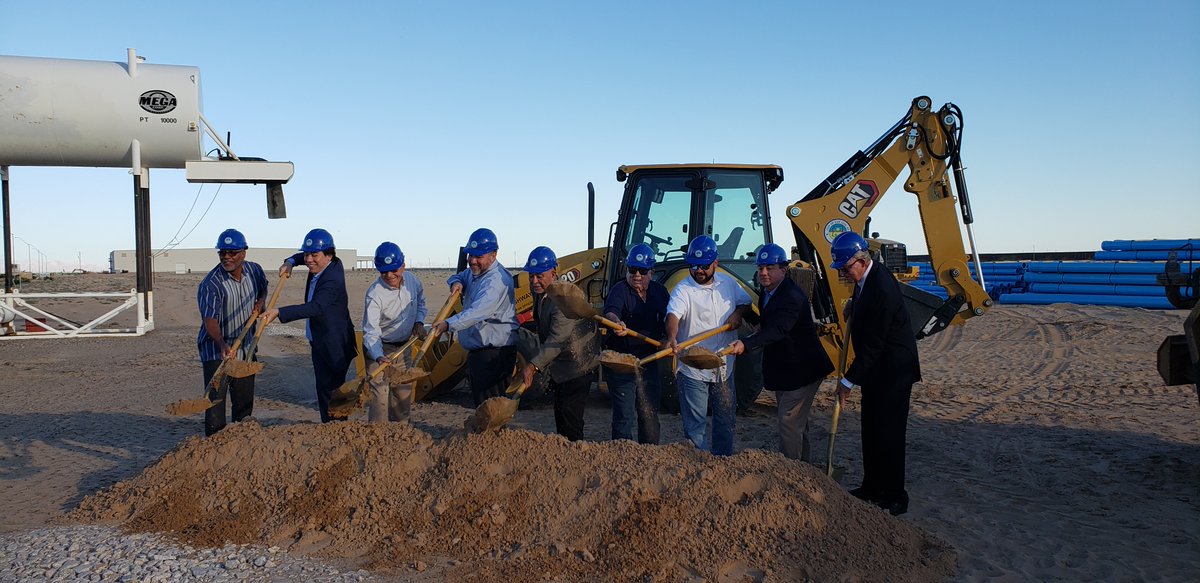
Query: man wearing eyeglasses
pixel 636 303
pixel 326 307
pixel 706 301
pixel 227 297
pixel 794 363
pixel 885 366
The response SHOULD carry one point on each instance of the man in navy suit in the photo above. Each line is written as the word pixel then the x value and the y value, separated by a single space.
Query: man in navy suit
pixel 794 364
pixel 326 306
pixel 885 366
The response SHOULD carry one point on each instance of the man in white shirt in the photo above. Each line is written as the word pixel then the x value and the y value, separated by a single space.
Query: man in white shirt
pixel 394 311
pixel 706 301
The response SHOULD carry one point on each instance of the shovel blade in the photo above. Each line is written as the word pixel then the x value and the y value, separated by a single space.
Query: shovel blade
pixel 240 369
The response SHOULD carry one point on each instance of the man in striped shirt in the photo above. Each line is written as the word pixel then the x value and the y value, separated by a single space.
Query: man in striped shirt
pixel 227 298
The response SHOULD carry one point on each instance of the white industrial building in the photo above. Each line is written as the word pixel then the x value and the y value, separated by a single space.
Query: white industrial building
pixel 203 260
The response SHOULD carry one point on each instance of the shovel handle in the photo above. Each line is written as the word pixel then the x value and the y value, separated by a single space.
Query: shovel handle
pixel 441 315
pixel 686 343
pixel 395 354
pixel 270 304
pixel 628 332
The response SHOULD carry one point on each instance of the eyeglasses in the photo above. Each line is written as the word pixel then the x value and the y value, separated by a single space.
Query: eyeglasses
pixel 229 252
pixel 701 267
pixel 845 268
pixel 639 270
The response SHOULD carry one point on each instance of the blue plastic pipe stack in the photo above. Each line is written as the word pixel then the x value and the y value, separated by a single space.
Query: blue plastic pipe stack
pixel 1124 273
pixel 1000 278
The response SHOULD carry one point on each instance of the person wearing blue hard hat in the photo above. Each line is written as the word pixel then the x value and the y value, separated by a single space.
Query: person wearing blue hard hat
pixel 794 362
pixel 636 303
pixel 228 297
pixel 487 324
pixel 703 302
pixel 566 348
pixel 393 312
pixel 326 307
pixel 885 366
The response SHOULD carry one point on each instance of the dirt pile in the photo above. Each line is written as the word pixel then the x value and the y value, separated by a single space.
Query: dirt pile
pixel 518 506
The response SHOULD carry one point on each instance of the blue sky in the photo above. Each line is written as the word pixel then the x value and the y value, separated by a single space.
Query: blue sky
pixel 418 122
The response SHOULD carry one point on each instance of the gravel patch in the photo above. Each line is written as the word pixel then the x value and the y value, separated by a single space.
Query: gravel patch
pixel 103 553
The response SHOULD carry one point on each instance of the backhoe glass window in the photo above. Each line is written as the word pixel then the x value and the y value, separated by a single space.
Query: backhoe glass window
pixel 735 214
pixel 661 211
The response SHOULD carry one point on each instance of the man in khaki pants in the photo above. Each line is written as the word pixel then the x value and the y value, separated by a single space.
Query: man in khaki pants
pixel 394 311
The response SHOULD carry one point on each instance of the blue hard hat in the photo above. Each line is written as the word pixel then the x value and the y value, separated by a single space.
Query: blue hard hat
pixel 771 254
pixel 701 251
pixel 541 260
pixel 231 239
pixel 482 242
pixel 844 247
pixel 317 240
pixel 388 257
pixel 641 256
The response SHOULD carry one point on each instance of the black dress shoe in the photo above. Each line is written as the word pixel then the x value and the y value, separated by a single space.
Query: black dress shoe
pixel 864 494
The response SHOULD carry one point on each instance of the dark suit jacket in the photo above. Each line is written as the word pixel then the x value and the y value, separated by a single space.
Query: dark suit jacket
pixel 328 314
pixel 792 353
pixel 568 347
pixel 885 351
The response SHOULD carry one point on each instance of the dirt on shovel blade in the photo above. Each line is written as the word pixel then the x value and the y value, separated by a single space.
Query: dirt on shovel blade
pixel 492 414
pixel 188 407
pixel 619 361
pixel 240 369
pixel 702 358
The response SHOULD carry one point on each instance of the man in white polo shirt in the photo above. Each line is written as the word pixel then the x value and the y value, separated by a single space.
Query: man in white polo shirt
pixel 706 301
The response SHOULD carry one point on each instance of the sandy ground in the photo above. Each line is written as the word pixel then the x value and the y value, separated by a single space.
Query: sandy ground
pixel 1042 445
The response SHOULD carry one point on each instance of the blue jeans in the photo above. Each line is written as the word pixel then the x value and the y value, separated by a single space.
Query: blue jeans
pixel 695 398
pixel 628 404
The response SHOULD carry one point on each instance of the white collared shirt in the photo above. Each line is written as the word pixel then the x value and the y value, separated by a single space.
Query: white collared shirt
pixel 390 313
pixel 701 308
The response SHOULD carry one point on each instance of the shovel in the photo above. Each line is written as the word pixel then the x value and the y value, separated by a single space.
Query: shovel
pixel 571 302
pixel 349 397
pixel 495 412
pixel 628 364
pixel 417 372
pixel 836 473
pixel 703 358
pixel 190 406
pixel 243 368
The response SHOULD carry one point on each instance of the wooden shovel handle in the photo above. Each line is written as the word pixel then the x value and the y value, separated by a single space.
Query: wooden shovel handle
pixel 395 354
pixel 686 343
pixel 628 332
pixel 270 304
pixel 441 315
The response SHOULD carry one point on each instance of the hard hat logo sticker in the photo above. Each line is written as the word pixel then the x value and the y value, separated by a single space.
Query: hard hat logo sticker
pixel 698 253
pixel 308 242
pixel 228 240
pixel 474 244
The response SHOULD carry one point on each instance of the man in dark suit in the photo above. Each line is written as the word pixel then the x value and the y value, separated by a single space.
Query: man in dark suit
pixel 326 306
pixel 885 366
pixel 794 364
pixel 566 348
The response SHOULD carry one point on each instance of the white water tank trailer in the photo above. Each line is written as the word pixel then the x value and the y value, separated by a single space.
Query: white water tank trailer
pixel 67 112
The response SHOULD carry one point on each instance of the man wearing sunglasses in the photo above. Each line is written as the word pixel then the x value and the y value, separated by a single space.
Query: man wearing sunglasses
pixel 227 297
pixel 698 304
pixel 637 303
pixel 885 366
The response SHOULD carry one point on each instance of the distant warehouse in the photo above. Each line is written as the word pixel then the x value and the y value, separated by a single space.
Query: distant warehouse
pixel 202 260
